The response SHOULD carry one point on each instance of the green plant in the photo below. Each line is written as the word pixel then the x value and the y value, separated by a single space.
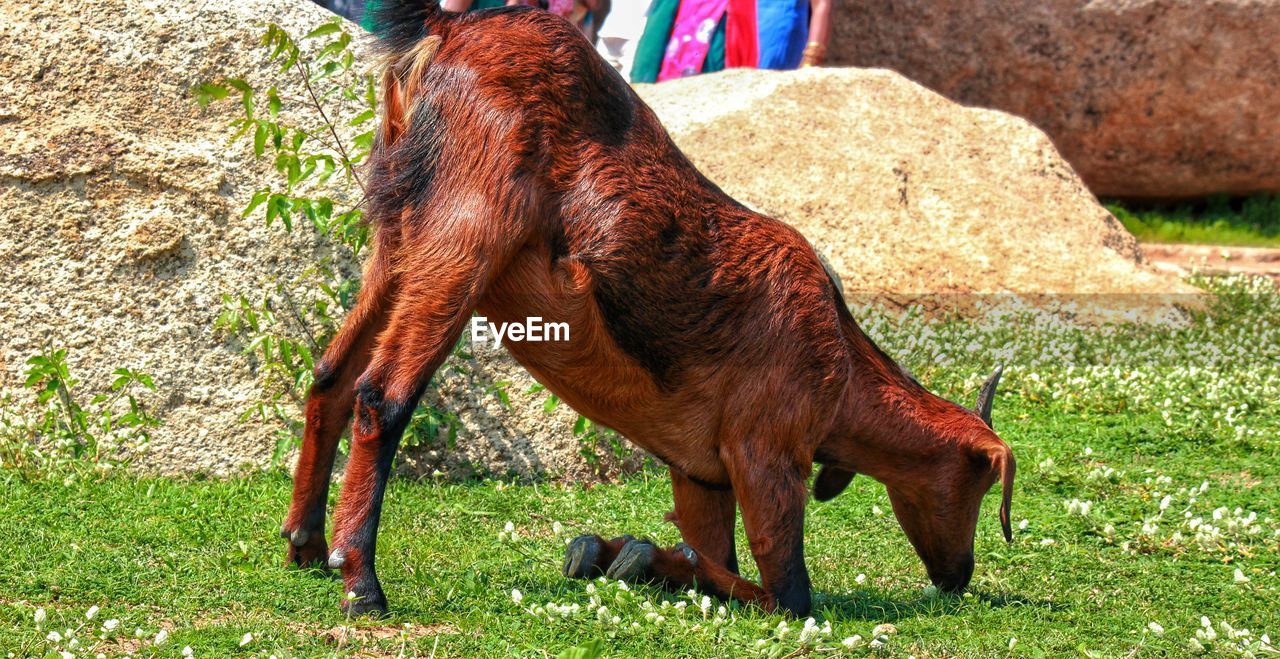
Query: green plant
pixel 316 143
pixel 1217 220
pixel 63 428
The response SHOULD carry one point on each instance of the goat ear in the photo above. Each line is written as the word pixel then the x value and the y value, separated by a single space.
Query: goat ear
pixel 987 396
pixel 1005 466
pixel 830 482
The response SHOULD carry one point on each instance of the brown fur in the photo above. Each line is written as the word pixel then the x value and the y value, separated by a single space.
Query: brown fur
pixel 517 175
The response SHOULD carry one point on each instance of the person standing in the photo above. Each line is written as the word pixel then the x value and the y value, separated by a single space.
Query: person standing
pixel 687 37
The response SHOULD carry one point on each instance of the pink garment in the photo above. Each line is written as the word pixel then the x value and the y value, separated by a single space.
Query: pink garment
pixel 560 7
pixel 695 22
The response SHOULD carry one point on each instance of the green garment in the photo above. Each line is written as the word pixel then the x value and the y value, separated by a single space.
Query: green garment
pixel 652 47
pixel 366 19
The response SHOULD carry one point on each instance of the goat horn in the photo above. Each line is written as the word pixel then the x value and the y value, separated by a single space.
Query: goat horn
pixel 987 396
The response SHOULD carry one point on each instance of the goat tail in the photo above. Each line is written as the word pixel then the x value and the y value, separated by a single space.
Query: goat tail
pixel 409 32
pixel 400 24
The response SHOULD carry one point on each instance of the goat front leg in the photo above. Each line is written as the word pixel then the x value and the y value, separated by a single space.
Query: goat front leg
pixel 704 516
pixel 328 411
pixel 706 560
pixel 771 492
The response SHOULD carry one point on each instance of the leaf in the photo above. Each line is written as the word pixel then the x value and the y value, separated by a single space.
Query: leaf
pixel 550 403
pixel 208 93
pixel 260 140
pixel 257 199
pixel 323 30
pixel 273 102
pixel 590 650
pixel 363 117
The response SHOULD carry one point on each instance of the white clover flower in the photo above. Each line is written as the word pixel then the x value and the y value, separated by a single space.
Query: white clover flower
pixel 860 579
pixel 1013 640
pixel 875 510
pixel 93 611
pixel 1155 628
pixel 1239 576
pixel 138 633
pixel 40 617
pixel 557 528
pixel 1195 646
pixel 54 637
pixel 1048 541
pixel 852 641
pixel 187 651
pixel 161 637
pixel 110 625
pixel 510 527
pixel 705 605
pixel 884 629
pixel 66 655
pixel 591 589
pixel 1022 526
pixel 809 633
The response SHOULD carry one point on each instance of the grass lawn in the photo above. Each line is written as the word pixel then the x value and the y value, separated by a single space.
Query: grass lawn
pixel 1244 222
pixel 1148 497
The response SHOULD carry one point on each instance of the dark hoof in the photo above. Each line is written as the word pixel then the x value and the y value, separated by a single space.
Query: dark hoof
pixel 307 550
pixel 582 558
pixel 369 606
pixel 633 562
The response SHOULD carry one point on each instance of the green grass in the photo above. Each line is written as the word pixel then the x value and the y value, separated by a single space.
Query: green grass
pixel 1119 418
pixel 1246 222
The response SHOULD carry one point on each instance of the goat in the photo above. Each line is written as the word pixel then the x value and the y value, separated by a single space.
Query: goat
pixel 515 174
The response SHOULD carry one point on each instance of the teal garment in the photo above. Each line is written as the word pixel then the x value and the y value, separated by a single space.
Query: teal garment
pixel 652 47
pixel 366 19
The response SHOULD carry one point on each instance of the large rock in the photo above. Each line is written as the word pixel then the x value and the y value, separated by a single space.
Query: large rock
pixel 908 193
pixel 1145 98
pixel 120 226
pixel 120 229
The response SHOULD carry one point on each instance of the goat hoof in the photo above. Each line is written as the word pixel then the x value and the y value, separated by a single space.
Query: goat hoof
pixel 337 559
pixel 373 605
pixel 307 550
pixel 688 553
pixel 633 562
pixel 582 558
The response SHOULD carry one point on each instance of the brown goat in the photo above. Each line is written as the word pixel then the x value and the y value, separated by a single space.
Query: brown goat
pixel 517 175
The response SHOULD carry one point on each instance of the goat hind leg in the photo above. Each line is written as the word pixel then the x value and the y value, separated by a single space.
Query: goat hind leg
pixel 426 322
pixel 328 411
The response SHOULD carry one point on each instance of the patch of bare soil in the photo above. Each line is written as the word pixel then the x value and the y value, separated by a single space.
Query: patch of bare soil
pixel 1211 259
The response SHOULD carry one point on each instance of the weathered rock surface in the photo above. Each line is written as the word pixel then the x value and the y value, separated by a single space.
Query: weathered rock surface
pixel 908 193
pixel 120 230
pixel 1145 98
pixel 120 224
